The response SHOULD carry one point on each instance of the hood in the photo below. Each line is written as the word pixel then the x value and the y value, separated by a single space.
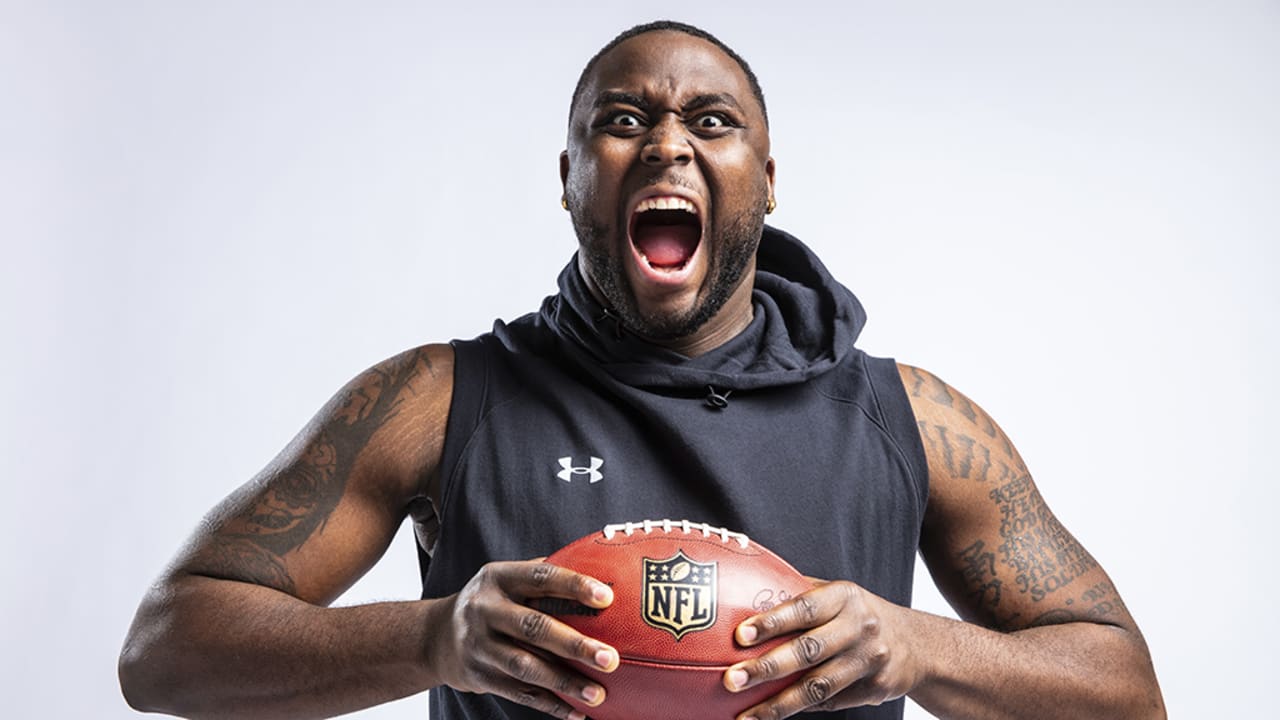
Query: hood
pixel 804 323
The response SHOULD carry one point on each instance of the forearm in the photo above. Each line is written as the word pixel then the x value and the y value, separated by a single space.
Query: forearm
pixel 202 647
pixel 1072 670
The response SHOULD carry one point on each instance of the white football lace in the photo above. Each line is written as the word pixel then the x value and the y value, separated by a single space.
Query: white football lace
pixel 667 526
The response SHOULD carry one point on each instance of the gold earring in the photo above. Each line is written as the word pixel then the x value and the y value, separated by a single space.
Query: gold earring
pixel 564 202
pixel 768 210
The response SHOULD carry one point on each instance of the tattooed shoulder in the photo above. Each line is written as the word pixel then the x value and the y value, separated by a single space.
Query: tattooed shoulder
pixel 294 497
pixel 958 435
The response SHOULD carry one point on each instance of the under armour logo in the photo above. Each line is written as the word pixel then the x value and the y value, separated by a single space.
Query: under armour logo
pixel 569 470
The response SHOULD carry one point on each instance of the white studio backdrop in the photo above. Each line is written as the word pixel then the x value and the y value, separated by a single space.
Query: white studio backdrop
pixel 213 214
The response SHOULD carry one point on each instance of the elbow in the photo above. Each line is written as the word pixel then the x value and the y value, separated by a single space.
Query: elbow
pixel 137 679
pixel 1135 690
pixel 1144 698
pixel 1154 705
pixel 152 682
pixel 1150 700
pixel 1151 708
pixel 149 668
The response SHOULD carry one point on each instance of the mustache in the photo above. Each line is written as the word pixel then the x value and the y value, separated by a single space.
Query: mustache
pixel 668 178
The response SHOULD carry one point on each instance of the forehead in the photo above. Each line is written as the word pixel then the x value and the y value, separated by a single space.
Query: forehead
pixel 669 65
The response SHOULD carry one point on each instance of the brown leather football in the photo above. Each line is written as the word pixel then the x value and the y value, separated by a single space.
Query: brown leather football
pixel 680 590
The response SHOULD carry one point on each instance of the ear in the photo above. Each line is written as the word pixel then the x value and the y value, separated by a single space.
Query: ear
pixel 564 168
pixel 768 173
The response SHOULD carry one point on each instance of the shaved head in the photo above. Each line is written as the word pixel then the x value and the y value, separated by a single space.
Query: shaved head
pixel 670 25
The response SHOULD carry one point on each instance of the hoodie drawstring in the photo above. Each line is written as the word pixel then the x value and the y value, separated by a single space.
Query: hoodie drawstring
pixel 717 400
pixel 607 314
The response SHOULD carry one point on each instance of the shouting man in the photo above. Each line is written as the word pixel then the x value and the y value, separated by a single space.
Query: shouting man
pixel 695 363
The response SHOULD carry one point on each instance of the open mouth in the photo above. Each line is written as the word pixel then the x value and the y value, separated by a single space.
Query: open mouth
pixel 665 232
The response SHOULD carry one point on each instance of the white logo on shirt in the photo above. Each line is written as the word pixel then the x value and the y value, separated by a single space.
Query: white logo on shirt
pixel 569 470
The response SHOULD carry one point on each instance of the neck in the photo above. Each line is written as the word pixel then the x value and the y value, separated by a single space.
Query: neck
pixel 730 320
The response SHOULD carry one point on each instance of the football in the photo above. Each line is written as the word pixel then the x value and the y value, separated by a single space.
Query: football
pixel 680 590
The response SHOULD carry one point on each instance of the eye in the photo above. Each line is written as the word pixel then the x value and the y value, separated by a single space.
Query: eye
pixel 624 119
pixel 710 121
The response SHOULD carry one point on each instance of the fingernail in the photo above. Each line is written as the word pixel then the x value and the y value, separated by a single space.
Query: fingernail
pixel 593 694
pixel 606 659
pixel 575 715
pixel 737 678
pixel 747 634
pixel 602 594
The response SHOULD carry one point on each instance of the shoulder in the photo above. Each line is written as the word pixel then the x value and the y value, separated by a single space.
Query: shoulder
pixel 967 452
pixel 410 384
pixel 396 412
pixel 955 428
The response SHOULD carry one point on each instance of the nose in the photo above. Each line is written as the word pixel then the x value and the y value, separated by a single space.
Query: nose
pixel 667 144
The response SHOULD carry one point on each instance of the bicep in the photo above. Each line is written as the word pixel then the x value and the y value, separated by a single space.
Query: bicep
pixel 319 516
pixel 995 549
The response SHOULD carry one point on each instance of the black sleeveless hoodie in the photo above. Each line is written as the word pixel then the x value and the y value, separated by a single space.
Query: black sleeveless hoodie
pixel 563 422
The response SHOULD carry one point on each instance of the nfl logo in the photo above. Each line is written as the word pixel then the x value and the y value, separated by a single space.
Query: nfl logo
pixel 679 594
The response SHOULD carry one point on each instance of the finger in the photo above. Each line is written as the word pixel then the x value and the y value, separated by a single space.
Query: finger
pixel 814 693
pixel 526 670
pixel 540 630
pixel 540 579
pixel 798 654
pixel 853 678
pixel 821 689
pixel 867 691
pixel 804 611
pixel 810 692
pixel 539 699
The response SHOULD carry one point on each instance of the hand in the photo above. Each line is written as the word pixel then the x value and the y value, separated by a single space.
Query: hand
pixel 492 641
pixel 852 654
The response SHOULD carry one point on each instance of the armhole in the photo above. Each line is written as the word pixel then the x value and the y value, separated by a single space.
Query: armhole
pixel 470 395
pixel 470 392
pixel 899 420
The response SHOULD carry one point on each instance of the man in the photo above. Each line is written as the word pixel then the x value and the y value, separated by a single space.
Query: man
pixel 694 364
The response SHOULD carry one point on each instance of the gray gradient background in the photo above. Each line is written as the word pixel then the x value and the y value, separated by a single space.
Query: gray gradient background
pixel 213 214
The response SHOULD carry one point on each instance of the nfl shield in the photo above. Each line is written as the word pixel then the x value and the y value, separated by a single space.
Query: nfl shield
pixel 679 594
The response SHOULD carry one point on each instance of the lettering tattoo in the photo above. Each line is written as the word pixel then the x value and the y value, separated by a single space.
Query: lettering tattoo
pixel 1043 556
pixel 1102 604
pixel 1103 601
pixel 288 505
pixel 979 567
pixel 1034 556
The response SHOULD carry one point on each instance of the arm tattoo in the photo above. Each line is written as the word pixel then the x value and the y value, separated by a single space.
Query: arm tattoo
pixel 979 568
pixel 291 504
pixel 1036 560
pixel 964 456
pixel 929 387
pixel 1043 556
pixel 247 562
pixel 1036 557
pixel 1101 601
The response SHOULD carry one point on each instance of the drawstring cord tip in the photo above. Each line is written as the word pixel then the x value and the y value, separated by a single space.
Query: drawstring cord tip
pixel 717 400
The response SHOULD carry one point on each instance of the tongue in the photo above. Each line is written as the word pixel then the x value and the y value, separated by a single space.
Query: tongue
pixel 666 246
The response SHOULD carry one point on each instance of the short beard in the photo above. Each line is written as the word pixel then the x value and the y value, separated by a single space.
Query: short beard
pixel 733 253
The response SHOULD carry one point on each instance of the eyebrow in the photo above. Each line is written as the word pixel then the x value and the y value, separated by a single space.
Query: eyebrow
pixel 701 101
pixel 698 102
pixel 613 97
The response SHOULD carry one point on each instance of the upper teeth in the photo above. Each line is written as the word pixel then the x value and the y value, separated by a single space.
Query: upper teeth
pixel 666 203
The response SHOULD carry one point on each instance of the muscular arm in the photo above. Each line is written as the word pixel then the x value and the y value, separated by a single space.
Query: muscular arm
pixel 237 626
pixel 1047 634
pixel 1044 633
